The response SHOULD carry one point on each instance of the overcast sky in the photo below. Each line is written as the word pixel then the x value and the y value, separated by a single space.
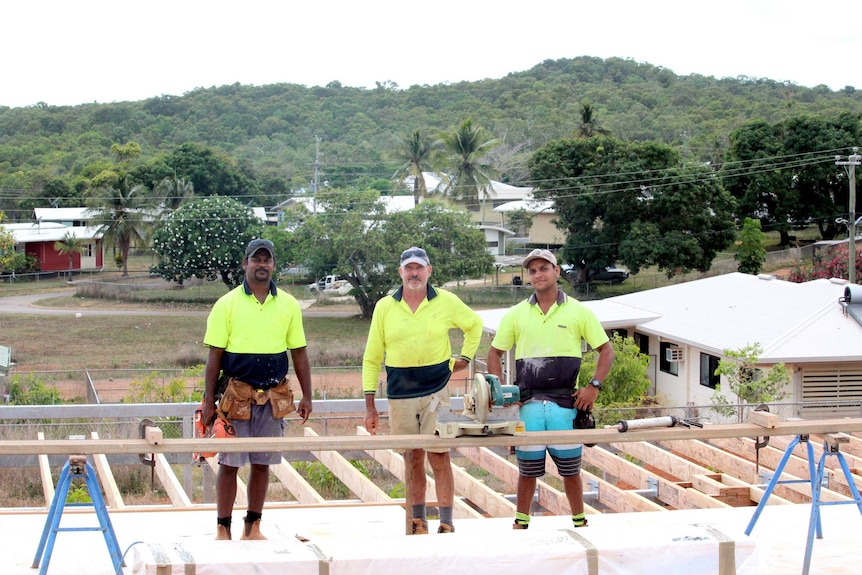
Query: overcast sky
pixel 66 52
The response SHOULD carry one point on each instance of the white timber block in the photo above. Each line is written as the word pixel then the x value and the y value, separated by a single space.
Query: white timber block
pixel 270 557
pixel 682 549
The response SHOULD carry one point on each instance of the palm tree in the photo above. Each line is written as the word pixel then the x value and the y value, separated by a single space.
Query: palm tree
pixel 173 192
pixel 119 207
pixel 416 153
pixel 69 245
pixel 590 125
pixel 470 172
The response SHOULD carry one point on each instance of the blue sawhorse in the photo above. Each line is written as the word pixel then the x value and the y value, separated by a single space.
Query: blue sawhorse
pixel 830 447
pixel 76 466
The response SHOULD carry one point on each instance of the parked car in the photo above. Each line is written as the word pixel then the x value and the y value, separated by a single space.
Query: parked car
pixel 331 285
pixel 611 274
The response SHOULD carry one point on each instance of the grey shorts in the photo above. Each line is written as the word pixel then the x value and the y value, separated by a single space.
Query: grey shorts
pixel 260 424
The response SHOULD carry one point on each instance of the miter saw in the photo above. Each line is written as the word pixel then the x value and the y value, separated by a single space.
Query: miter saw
pixel 490 408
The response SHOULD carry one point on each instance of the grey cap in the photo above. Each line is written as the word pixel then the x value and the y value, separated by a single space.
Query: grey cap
pixel 259 244
pixel 415 255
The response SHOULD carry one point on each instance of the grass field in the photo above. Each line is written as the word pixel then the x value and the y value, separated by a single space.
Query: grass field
pixel 55 342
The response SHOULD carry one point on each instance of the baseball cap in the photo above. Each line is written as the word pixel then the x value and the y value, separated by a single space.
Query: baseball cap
pixel 414 255
pixel 538 254
pixel 259 244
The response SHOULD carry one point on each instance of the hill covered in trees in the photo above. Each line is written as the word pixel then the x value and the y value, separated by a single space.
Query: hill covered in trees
pixel 271 136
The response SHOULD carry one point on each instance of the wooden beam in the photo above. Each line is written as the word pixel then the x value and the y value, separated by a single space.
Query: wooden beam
pixel 394 463
pixel 743 469
pixel 674 494
pixel 735 496
pixel 346 443
pixel 113 497
pixel 170 482
pixel 797 464
pixel 620 500
pixel 763 419
pixel 296 484
pixel 481 495
pixel 361 486
pixel 551 499
pixel 685 469
pixel 45 474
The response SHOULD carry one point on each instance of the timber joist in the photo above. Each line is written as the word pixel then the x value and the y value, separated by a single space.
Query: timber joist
pixel 687 468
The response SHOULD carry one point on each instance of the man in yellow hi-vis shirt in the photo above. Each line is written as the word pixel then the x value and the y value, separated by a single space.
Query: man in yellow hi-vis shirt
pixel 410 331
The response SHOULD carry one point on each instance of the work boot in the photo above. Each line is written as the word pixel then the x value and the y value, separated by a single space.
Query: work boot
pixel 446 528
pixel 251 531
pixel 420 526
pixel 520 525
pixel 222 533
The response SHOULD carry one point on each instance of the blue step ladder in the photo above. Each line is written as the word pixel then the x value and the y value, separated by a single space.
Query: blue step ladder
pixel 831 444
pixel 76 467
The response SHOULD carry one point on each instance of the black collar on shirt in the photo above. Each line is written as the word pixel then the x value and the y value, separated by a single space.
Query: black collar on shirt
pixel 399 293
pixel 272 289
pixel 561 297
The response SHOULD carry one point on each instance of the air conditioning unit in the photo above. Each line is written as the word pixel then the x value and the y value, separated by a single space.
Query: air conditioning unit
pixel 674 355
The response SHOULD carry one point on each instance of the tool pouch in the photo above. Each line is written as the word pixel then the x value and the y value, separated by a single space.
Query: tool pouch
pixel 236 401
pixel 281 400
pixel 584 420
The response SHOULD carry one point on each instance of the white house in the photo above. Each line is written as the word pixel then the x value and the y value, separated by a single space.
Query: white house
pixel 543 231
pixel 37 239
pixel 685 329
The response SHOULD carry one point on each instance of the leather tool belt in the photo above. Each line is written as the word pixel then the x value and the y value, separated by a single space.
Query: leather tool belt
pixel 240 396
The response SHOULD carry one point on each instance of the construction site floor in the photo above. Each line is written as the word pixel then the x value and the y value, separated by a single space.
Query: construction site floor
pixel 778 539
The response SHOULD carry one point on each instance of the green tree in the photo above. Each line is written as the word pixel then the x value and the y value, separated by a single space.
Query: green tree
pixel 7 246
pixel 751 253
pixel 205 238
pixel 633 202
pixel 415 154
pixel 171 193
pixel 69 246
pixel 785 173
pixel 627 381
pixel 32 391
pixel 212 173
pixel 120 206
pixel 589 124
pixel 456 247
pixel 520 221
pixel 352 236
pixel 345 236
pixel 747 382
pixel 468 173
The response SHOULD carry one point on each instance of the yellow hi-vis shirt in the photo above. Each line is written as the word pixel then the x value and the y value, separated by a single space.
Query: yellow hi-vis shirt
pixel 416 346
pixel 548 346
pixel 255 336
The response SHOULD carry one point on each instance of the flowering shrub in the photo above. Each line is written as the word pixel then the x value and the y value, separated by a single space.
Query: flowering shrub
pixel 205 238
pixel 828 263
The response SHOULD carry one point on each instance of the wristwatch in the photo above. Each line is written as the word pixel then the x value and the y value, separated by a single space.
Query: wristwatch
pixel 596 383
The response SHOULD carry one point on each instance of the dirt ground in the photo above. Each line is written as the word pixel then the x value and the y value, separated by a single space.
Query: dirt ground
pixel 325 385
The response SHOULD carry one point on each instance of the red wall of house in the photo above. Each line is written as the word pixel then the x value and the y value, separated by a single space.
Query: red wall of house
pixel 51 261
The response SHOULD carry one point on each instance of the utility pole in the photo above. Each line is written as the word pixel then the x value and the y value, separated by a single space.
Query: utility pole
pixel 316 173
pixel 851 162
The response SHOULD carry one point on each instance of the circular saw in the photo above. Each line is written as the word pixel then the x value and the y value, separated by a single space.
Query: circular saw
pixel 481 398
pixel 484 393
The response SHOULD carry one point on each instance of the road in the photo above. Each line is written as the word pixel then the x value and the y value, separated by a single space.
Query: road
pixel 29 304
